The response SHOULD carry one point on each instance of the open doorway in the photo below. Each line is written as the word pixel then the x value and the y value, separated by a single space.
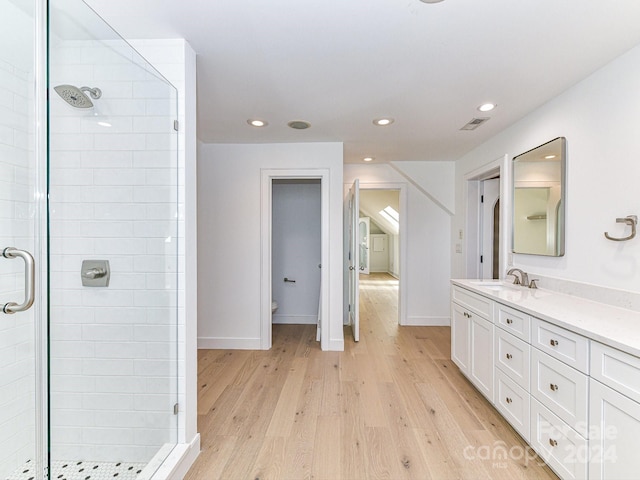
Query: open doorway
pixel 487 224
pixel 296 248
pixel 380 249
pixel 282 250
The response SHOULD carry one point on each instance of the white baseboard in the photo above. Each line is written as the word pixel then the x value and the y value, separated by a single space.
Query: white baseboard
pixel 177 464
pixel 294 319
pixel 228 343
pixel 427 322
pixel 336 345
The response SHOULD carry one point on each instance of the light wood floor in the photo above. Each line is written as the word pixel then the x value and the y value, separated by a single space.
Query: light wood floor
pixel 392 406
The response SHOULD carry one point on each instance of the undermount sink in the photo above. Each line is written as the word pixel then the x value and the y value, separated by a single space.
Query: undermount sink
pixel 494 285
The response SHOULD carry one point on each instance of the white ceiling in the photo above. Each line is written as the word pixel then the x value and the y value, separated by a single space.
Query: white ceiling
pixel 341 63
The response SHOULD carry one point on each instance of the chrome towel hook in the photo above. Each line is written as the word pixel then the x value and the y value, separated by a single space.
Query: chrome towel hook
pixel 629 220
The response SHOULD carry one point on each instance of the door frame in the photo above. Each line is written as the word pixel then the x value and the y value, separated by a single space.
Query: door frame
pixel 472 205
pixel 401 187
pixel 267 177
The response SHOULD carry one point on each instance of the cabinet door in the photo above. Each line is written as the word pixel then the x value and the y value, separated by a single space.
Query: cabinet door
pixel 460 337
pixel 614 433
pixel 481 373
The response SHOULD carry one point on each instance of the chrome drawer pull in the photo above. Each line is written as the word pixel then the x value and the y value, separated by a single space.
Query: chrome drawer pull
pixel 509 356
pixel 553 442
pixel 508 400
pixel 509 321
pixel 553 387
pixel 554 343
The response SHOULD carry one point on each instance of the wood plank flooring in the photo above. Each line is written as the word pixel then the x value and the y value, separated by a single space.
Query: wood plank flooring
pixel 392 406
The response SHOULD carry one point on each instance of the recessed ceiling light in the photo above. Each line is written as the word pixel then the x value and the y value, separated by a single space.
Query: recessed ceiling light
pixel 549 157
pixel 299 124
pixel 383 122
pixel 367 159
pixel 431 1
pixel 487 107
pixel 255 122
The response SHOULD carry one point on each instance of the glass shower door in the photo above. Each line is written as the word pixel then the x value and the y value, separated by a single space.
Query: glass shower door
pixel 19 309
pixel 113 264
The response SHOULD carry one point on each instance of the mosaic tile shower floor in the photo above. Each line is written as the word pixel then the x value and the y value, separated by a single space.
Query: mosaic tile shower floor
pixel 83 471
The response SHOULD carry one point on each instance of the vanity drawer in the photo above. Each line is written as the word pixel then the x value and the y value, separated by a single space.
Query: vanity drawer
pixel 513 321
pixel 569 347
pixel 560 388
pixel 512 357
pixel 513 403
pixel 616 369
pixel 558 444
pixel 476 303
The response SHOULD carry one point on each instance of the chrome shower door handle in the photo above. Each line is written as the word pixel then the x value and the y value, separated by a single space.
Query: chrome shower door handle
pixel 29 280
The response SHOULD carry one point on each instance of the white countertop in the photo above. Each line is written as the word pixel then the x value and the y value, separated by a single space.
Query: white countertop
pixel 613 326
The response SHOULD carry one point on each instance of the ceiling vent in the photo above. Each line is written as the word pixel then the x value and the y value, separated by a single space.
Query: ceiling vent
pixel 299 124
pixel 475 123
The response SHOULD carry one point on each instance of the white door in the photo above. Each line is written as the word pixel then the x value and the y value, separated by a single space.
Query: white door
pixel 363 239
pixel 490 234
pixel 354 260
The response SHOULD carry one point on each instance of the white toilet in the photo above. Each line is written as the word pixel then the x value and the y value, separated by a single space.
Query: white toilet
pixel 274 307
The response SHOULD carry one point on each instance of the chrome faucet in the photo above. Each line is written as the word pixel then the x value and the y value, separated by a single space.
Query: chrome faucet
pixel 524 277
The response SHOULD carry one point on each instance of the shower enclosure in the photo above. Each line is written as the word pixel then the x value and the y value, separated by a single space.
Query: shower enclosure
pixel 89 191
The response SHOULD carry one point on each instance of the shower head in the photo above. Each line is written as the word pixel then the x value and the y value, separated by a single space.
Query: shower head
pixel 76 97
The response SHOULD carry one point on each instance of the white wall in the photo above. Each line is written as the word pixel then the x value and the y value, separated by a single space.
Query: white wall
pixel 394 255
pixel 379 252
pixel 598 116
pixel 428 228
pixel 296 241
pixel 229 243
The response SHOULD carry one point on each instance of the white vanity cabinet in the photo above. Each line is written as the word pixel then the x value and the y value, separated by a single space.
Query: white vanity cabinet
pixel 575 400
pixel 559 398
pixel 614 414
pixel 472 338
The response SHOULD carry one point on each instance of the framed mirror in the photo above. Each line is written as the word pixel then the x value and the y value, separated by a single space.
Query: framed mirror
pixel 539 190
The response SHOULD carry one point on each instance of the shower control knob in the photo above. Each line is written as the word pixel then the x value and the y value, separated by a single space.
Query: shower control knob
pixel 95 273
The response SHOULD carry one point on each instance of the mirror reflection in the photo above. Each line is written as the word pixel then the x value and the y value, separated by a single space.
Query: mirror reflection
pixel 538 199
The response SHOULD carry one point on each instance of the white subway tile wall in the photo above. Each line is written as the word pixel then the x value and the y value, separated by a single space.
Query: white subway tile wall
pixel 113 196
pixel 17 381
